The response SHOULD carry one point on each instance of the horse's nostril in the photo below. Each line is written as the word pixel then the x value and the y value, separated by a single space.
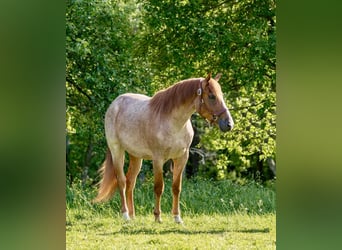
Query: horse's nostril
pixel 230 125
pixel 225 125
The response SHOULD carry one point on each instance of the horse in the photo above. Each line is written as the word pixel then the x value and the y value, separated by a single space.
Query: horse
pixel 157 128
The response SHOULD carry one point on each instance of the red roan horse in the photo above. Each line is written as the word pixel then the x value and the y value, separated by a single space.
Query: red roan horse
pixel 157 129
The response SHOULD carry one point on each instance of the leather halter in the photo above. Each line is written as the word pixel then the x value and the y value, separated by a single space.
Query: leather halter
pixel 214 115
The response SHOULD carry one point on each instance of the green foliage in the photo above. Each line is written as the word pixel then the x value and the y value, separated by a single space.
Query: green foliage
pixel 99 67
pixel 142 46
pixel 190 38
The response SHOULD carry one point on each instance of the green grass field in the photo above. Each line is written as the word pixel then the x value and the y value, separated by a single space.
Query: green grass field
pixel 217 215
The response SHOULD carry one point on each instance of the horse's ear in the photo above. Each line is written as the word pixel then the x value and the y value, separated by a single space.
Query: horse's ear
pixel 208 77
pixel 218 76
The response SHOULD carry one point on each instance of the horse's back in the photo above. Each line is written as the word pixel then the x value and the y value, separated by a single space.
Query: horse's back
pixel 128 103
pixel 126 109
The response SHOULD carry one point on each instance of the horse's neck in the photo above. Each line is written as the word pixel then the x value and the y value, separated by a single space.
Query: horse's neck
pixel 181 118
pixel 176 104
pixel 182 114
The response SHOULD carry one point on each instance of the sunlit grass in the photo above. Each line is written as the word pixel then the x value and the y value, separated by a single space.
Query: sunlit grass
pixel 217 215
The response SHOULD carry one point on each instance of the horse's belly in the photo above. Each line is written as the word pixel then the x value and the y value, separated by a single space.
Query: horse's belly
pixel 172 147
pixel 139 150
pixel 148 149
pixel 176 152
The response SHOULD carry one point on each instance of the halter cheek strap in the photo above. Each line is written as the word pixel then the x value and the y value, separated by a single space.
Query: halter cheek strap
pixel 200 91
pixel 214 115
pixel 200 94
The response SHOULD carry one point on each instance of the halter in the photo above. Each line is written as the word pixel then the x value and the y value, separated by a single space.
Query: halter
pixel 214 115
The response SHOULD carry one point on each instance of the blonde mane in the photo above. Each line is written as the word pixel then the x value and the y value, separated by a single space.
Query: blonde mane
pixel 165 101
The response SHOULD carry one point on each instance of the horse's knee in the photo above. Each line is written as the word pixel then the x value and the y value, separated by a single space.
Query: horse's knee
pixel 121 183
pixel 159 188
pixel 176 188
pixel 129 183
pixel 158 184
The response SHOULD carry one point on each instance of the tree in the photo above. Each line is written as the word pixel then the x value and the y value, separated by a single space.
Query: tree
pixel 99 67
pixel 113 47
pixel 190 38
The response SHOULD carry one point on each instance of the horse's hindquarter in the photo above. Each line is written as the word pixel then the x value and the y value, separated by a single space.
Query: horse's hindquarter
pixel 130 125
pixel 124 124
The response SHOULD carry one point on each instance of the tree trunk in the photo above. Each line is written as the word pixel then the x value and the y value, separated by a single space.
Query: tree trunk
pixel 87 163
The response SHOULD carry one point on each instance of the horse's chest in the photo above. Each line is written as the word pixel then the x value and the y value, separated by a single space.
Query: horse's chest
pixel 174 144
pixel 176 140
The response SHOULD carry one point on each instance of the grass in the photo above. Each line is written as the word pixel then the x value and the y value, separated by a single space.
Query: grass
pixel 217 215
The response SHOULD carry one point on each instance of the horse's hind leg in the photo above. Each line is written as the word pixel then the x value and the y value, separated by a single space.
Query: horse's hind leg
pixel 131 176
pixel 118 156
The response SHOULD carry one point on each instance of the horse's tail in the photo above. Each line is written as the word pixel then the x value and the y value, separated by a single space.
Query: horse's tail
pixel 108 183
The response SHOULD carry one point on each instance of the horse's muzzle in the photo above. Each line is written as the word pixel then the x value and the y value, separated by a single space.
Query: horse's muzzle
pixel 226 124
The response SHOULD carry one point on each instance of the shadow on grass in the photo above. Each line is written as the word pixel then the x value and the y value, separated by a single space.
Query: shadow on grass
pixel 149 231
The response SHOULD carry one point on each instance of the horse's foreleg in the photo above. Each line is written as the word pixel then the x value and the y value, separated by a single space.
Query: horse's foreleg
pixel 178 168
pixel 131 176
pixel 118 157
pixel 158 188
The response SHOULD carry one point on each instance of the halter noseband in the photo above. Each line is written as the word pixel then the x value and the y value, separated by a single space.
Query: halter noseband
pixel 214 115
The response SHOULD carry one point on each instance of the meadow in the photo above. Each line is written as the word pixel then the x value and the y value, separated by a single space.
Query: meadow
pixel 216 214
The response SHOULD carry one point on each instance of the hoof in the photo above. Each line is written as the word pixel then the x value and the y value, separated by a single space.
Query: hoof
pixel 158 219
pixel 178 219
pixel 126 216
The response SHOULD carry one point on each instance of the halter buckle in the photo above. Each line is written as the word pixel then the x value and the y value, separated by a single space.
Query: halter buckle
pixel 199 92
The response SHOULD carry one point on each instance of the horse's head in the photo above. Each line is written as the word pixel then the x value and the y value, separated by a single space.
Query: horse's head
pixel 211 104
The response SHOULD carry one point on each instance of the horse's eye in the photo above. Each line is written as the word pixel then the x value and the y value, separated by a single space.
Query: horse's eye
pixel 212 97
